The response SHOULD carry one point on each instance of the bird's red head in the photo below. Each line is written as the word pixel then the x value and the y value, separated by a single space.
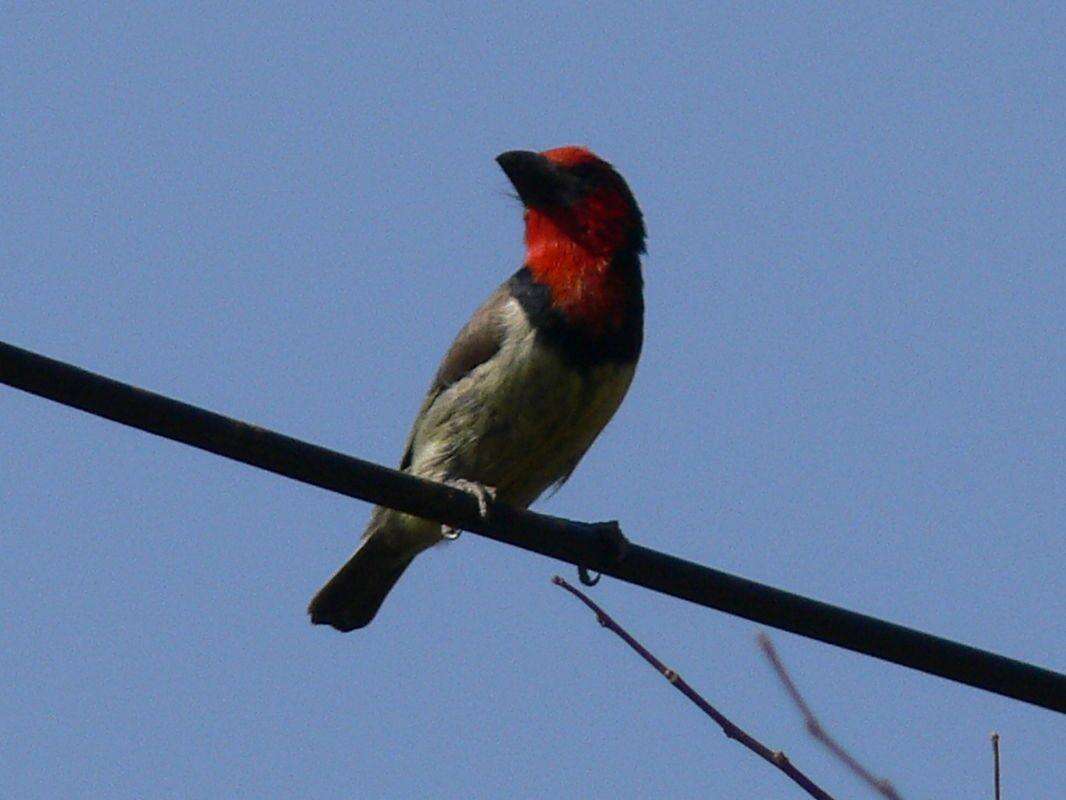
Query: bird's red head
pixel 581 219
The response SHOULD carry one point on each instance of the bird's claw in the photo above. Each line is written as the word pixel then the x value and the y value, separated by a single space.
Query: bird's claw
pixel 482 493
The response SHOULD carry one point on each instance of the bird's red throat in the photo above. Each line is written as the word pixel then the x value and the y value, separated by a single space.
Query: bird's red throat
pixel 570 251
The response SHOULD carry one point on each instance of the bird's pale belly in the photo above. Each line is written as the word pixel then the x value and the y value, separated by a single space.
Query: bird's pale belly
pixel 519 422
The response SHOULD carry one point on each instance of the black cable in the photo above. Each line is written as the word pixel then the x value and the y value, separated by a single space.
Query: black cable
pixel 583 544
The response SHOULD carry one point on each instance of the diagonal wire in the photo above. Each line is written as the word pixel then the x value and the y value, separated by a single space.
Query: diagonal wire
pixel 589 545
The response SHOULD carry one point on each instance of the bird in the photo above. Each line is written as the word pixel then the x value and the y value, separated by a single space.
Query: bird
pixel 531 380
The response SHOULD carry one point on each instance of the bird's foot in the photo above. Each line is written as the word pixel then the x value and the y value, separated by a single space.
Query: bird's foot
pixel 482 493
pixel 615 546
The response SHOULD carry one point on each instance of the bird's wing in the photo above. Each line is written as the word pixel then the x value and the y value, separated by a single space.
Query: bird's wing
pixel 478 341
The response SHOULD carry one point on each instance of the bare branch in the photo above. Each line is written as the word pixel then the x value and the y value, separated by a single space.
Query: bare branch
pixel 995 762
pixel 775 757
pixel 814 727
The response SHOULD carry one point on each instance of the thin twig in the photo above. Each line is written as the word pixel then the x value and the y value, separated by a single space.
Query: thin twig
pixel 814 727
pixel 775 757
pixel 995 761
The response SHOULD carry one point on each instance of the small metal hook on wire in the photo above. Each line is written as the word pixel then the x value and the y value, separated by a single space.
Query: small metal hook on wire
pixel 587 579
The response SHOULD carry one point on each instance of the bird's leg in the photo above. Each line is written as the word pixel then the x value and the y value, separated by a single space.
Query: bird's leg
pixel 482 493
pixel 615 546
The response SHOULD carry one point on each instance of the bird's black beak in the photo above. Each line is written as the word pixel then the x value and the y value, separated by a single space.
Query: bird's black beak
pixel 539 182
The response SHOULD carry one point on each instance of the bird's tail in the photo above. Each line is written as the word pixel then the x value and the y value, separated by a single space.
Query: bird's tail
pixel 353 596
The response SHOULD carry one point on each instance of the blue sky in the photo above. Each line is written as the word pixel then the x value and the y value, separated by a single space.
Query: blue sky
pixel 851 388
